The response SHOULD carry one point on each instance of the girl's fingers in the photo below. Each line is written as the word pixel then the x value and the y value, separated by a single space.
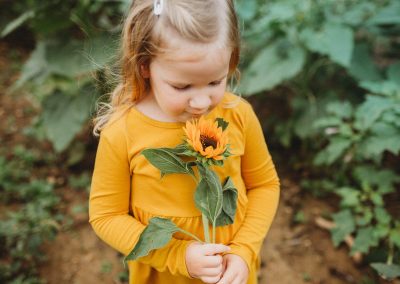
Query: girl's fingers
pixel 212 261
pixel 228 277
pixel 224 264
pixel 213 249
pixel 212 272
pixel 210 279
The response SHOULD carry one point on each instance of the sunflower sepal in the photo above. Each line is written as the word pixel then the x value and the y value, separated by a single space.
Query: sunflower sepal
pixel 222 123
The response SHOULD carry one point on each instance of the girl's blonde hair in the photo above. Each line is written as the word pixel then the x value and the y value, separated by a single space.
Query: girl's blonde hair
pixel 144 36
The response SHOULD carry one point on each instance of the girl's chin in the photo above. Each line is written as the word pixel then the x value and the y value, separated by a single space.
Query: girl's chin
pixel 189 116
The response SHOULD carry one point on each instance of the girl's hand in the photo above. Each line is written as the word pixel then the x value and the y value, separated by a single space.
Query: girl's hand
pixel 236 270
pixel 204 262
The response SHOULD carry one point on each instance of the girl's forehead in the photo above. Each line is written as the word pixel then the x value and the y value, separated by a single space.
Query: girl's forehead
pixel 187 53
pixel 176 48
pixel 188 65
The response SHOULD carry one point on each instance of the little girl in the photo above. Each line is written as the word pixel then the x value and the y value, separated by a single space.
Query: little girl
pixel 177 56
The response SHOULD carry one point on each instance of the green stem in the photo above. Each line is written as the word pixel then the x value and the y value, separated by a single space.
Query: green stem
pixel 389 260
pixel 205 227
pixel 190 234
pixel 213 233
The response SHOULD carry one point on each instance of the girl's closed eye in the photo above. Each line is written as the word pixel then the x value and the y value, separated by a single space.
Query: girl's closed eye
pixel 186 87
pixel 181 88
pixel 215 83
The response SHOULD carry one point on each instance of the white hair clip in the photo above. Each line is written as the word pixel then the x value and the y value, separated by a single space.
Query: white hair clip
pixel 158 7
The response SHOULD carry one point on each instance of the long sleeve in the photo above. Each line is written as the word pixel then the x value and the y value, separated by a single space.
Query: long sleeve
pixel 262 184
pixel 109 207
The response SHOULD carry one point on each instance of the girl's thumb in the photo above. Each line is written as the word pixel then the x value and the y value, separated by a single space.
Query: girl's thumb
pixel 212 249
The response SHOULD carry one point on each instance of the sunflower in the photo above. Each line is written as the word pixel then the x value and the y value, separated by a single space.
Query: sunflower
pixel 207 139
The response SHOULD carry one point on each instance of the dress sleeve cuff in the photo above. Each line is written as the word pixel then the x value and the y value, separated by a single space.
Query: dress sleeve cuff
pixel 182 259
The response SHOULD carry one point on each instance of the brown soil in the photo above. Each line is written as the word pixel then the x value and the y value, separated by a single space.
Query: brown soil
pixel 292 253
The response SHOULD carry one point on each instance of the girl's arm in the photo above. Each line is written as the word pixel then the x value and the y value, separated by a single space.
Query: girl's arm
pixel 262 184
pixel 109 206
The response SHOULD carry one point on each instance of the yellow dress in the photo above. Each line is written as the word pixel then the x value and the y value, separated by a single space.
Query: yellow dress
pixel 127 191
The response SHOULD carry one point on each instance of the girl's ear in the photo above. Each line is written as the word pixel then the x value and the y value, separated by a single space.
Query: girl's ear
pixel 145 71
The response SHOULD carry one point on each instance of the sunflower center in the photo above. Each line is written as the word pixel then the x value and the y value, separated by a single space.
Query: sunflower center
pixel 208 141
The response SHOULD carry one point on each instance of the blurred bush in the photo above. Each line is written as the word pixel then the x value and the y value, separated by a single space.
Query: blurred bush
pixel 334 65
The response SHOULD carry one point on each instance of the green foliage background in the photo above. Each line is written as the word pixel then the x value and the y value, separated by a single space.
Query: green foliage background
pixel 327 72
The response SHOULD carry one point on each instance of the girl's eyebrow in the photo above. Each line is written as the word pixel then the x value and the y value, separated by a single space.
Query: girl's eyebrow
pixel 184 84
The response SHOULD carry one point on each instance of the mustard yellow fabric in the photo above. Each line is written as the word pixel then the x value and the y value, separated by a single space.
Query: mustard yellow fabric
pixel 127 191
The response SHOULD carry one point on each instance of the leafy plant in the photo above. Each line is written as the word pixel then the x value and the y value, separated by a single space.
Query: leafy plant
pixel 28 219
pixel 60 70
pixel 334 67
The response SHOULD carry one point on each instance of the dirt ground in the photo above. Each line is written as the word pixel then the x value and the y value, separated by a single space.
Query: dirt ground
pixel 294 252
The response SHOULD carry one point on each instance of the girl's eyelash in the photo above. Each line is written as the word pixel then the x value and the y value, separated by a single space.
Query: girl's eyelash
pixel 181 88
pixel 216 83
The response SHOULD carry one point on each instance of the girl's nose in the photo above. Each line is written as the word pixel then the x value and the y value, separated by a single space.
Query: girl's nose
pixel 200 101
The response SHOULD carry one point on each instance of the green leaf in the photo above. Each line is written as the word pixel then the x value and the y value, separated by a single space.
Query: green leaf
pixel 388 15
pixel 391 117
pixel 281 11
pixel 208 195
pixel 183 149
pixel 229 204
pixel 384 137
pixel 100 50
pixel 377 198
pixel 370 110
pixel 393 73
pixel 222 123
pixel 273 65
pixel 35 68
pixel 340 109
pixel 389 271
pixel 381 231
pixel 16 23
pixel 334 40
pixel 366 217
pixel 344 226
pixel 63 115
pixel 365 239
pixel 355 14
pixel 76 58
pixel 383 179
pixel 335 149
pixel 394 236
pixel 362 66
pixel 166 160
pixel 67 59
pixel 387 88
pixel 246 9
pixel 327 121
pixel 306 112
pixel 350 197
pixel 382 216
pixel 157 234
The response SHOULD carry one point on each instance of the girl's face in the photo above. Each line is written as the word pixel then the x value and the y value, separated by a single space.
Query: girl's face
pixel 188 81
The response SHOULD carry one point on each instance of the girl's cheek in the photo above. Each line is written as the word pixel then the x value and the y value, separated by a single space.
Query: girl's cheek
pixel 221 92
pixel 179 104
